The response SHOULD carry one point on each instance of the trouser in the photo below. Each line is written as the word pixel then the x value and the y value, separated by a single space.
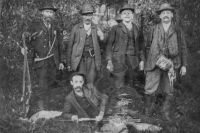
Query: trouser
pixel 46 79
pixel 128 77
pixel 87 66
pixel 153 79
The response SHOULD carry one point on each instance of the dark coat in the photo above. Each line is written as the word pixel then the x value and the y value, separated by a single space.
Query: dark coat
pixel 117 43
pixel 76 46
pixel 95 98
pixel 39 44
pixel 176 46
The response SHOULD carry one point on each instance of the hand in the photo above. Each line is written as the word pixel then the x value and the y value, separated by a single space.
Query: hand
pixel 110 66
pixel 183 71
pixel 23 50
pixel 141 66
pixel 74 118
pixel 100 34
pixel 61 66
pixel 69 68
pixel 99 117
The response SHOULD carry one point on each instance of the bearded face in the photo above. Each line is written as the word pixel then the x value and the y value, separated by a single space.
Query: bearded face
pixel 127 15
pixel 77 83
pixel 48 15
pixel 166 16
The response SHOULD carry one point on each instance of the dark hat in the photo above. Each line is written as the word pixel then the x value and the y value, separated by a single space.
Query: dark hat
pixel 118 67
pixel 48 7
pixel 126 7
pixel 87 9
pixel 118 18
pixel 165 6
pixel 75 74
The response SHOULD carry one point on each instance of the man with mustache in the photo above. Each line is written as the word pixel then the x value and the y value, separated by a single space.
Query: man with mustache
pixel 83 53
pixel 124 53
pixel 167 54
pixel 84 101
pixel 46 50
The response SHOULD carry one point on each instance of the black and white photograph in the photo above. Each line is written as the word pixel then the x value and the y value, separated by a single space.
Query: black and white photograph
pixel 99 66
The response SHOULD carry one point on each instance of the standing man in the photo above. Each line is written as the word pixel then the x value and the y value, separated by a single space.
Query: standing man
pixel 83 52
pixel 45 46
pixel 124 54
pixel 168 53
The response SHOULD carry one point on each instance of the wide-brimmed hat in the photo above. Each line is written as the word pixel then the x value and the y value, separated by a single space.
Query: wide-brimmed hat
pixel 165 6
pixel 126 7
pixel 48 7
pixel 87 9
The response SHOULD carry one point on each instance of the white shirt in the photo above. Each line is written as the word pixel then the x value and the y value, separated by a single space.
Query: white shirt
pixel 166 26
pixel 128 25
pixel 87 28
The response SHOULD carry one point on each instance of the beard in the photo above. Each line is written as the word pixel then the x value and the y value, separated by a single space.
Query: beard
pixel 48 19
pixel 78 91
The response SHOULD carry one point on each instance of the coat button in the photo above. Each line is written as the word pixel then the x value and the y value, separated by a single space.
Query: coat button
pixel 79 47
pixel 44 46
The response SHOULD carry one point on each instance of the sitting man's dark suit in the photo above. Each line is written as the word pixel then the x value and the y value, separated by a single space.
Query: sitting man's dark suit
pixel 82 101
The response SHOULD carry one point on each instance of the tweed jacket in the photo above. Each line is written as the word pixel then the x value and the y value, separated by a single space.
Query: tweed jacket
pixel 117 44
pixel 176 46
pixel 39 43
pixel 76 46
pixel 94 97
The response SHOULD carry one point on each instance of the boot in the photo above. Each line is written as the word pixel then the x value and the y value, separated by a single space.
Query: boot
pixel 166 107
pixel 149 99
pixel 41 105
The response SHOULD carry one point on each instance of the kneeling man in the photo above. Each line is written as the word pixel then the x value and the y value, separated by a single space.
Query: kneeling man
pixel 84 102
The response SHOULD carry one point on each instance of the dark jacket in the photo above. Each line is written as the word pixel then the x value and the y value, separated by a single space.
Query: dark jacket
pixel 117 43
pixel 39 44
pixel 175 42
pixel 95 98
pixel 76 46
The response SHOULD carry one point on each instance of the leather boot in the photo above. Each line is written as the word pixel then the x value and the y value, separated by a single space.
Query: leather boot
pixel 149 99
pixel 41 105
pixel 166 107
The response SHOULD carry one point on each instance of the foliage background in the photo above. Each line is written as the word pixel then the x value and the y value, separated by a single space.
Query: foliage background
pixel 15 18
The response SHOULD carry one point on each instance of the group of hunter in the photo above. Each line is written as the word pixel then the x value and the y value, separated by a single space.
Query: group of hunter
pixel 125 55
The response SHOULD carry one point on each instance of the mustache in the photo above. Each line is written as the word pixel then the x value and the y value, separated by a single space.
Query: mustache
pixel 166 17
pixel 78 87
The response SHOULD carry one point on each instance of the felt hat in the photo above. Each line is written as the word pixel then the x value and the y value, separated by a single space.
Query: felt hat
pixel 48 7
pixel 165 6
pixel 87 9
pixel 126 7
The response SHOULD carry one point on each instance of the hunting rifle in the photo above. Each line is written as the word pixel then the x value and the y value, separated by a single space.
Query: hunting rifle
pixel 26 93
